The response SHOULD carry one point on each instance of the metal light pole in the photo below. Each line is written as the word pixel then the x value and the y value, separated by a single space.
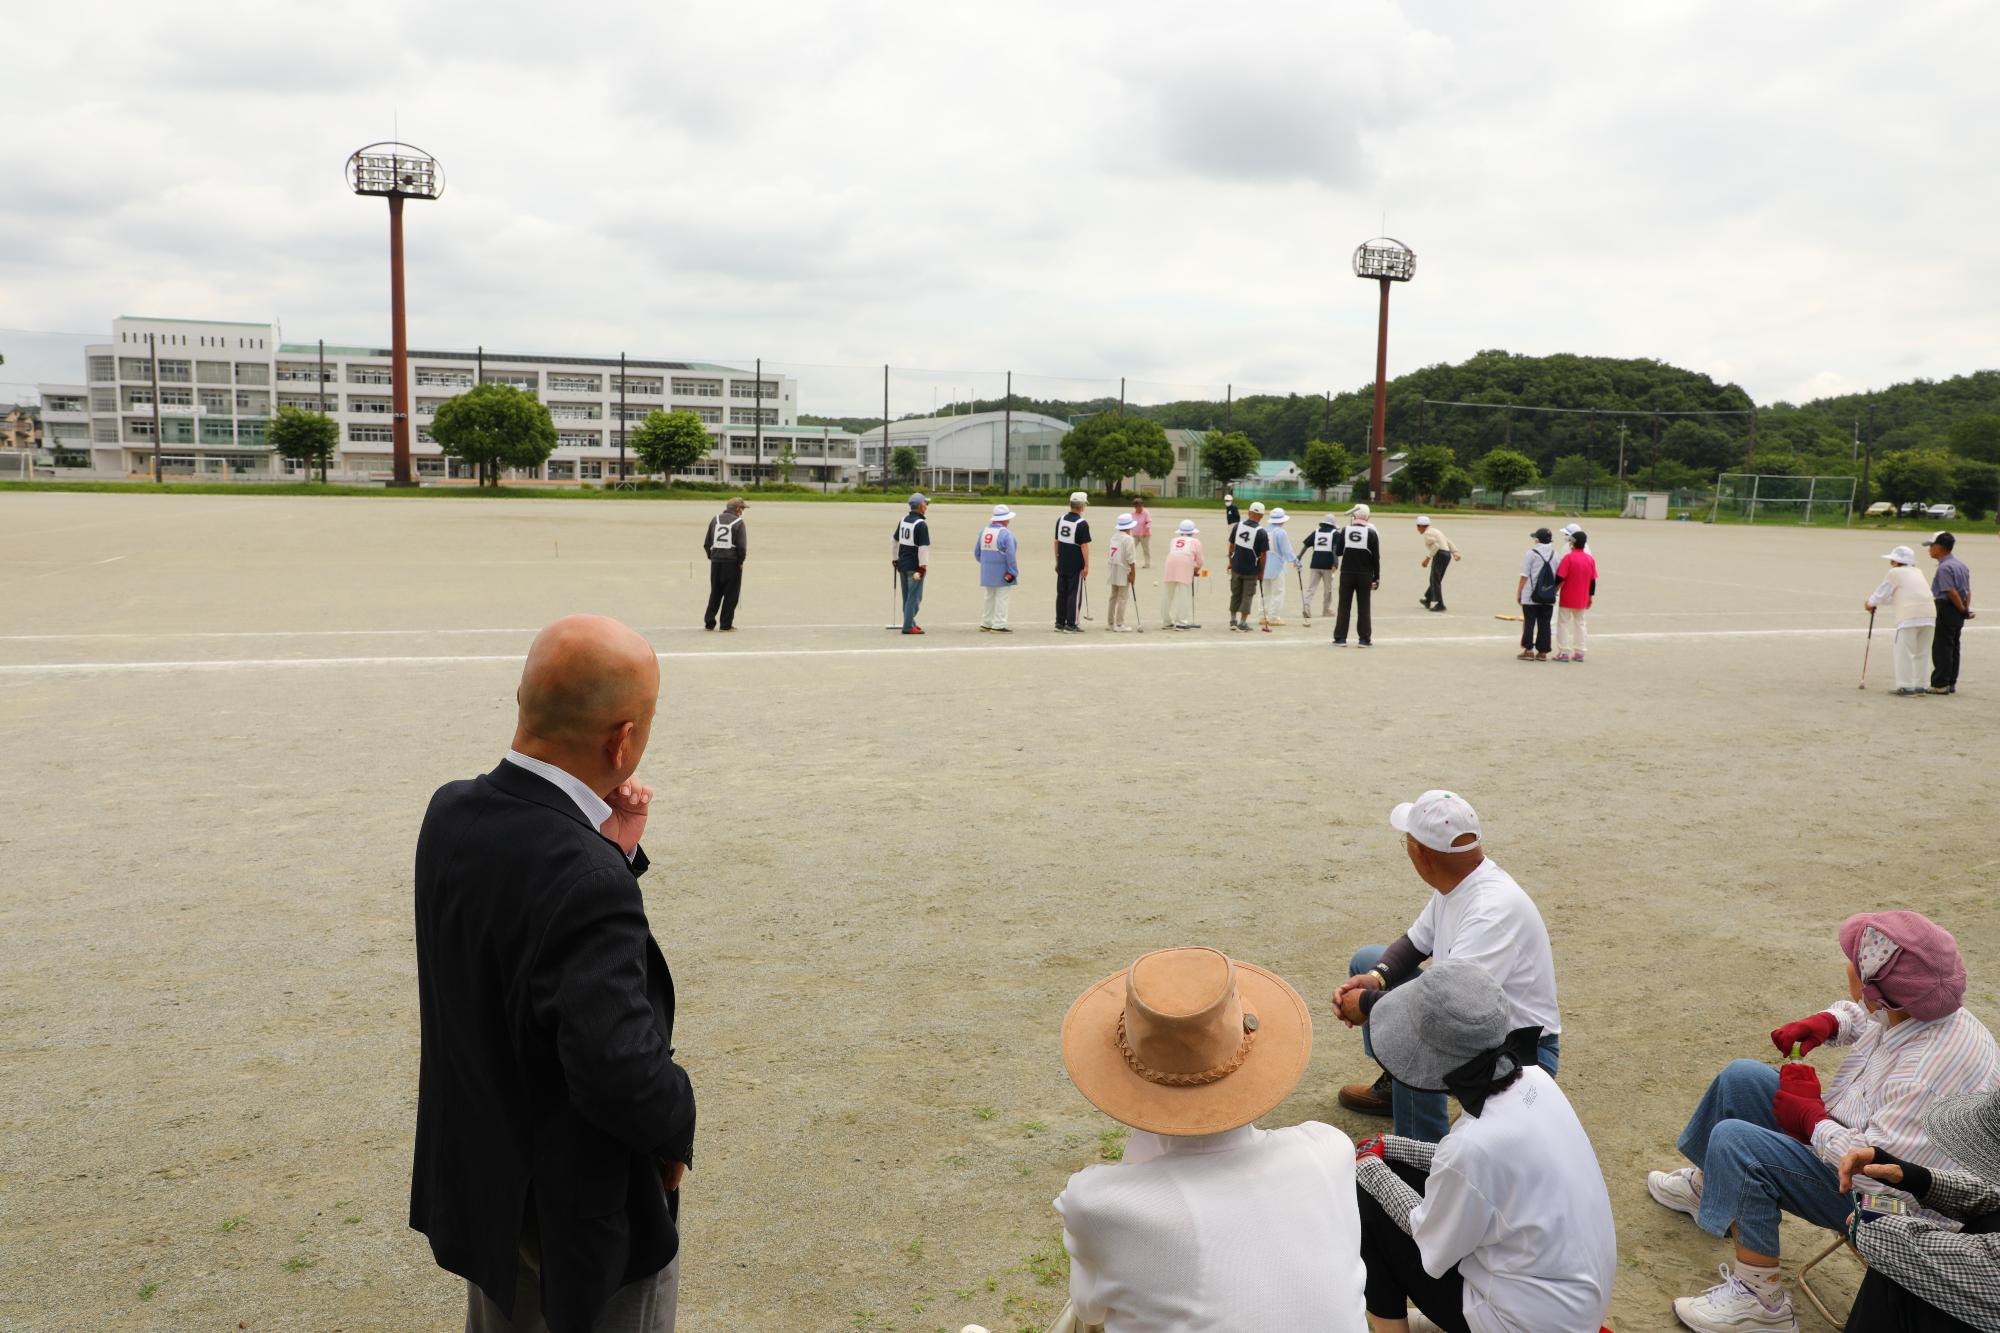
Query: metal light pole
pixel 1386 260
pixel 322 411
pixel 397 171
pixel 621 421
pixel 153 353
pixel 757 474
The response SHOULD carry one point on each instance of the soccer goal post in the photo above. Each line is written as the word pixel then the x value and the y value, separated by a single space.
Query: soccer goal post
pixel 1750 497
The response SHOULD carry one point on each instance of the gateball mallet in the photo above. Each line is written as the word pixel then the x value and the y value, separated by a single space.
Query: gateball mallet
pixel 1868 649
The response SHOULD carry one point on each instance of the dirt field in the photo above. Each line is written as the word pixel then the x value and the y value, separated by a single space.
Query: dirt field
pixel 883 868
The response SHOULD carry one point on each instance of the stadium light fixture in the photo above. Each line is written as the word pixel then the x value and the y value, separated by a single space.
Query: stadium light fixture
pixel 1386 260
pixel 397 171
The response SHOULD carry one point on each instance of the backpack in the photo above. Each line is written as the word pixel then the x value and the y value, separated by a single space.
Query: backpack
pixel 1546 585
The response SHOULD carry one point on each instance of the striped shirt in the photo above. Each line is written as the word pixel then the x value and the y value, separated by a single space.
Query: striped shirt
pixel 1880 1093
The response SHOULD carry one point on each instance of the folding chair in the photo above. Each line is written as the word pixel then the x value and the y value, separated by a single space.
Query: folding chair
pixel 1805 1281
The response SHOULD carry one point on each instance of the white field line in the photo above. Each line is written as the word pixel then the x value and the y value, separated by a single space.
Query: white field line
pixel 145 635
pixel 1159 643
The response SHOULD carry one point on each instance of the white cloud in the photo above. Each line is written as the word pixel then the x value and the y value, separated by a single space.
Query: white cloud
pixel 1170 191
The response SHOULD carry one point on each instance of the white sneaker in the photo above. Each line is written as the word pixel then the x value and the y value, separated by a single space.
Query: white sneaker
pixel 1731 1307
pixel 1679 1190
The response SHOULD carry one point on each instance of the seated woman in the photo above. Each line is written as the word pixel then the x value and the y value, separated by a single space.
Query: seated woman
pixel 1505 1226
pixel 1208 1222
pixel 1925 1278
pixel 1765 1141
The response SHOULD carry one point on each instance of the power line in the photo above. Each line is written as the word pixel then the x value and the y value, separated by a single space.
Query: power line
pixel 1598 411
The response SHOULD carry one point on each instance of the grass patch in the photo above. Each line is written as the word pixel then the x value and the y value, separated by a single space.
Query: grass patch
pixel 984 1112
pixel 299 1263
pixel 232 1223
pixel 1033 1128
pixel 915 1249
pixel 1111 1143
pixel 148 1290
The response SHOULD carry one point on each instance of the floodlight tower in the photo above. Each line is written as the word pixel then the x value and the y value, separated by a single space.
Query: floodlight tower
pixel 397 171
pixel 1386 260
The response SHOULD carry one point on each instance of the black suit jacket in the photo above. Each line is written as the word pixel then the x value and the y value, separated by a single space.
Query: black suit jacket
pixel 547 1097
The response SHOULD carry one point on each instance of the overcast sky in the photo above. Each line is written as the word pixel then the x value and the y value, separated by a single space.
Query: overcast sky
pixel 1799 197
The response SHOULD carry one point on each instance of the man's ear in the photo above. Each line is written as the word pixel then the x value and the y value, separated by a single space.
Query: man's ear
pixel 615 743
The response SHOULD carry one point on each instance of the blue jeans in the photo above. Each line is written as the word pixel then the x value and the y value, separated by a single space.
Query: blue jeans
pixel 1424 1115
pixel 913 596
pixel 1750 1168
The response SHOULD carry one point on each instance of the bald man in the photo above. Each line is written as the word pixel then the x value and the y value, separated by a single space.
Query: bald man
pixel 553 1126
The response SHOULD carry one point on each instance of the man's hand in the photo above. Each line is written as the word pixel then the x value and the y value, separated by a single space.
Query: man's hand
pixel 922 570
pixel 1862 1162
pixel 629 804
pixel 1424 563
pixel 1376 586
pixel 1868 607
pixel 1347 1000
pixel 1808 1033
pixel 1006 578
pixel 671 1175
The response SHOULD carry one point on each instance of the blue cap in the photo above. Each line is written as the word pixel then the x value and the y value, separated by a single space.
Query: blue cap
pixel 916 500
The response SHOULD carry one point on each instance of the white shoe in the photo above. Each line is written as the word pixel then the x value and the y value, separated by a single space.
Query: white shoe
pixel 1679 1190
pixel 1731 1307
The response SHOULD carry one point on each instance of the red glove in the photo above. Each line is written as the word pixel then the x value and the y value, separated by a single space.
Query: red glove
pixel 1809 1033
pixel 1370 1148
pixel 1797 1106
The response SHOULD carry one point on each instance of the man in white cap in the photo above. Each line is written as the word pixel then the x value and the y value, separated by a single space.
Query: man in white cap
pixel 910 553
pixel 1072 563
pixel 1475 911
pixel 1438 555
pixel 1360 575
pixel 1276 561
pixel 1248 542
pixel 1208 1222
pixel 1322 552
pixel 1906 593
pixel 1184 565
pixel 1124 552
pixel 999 568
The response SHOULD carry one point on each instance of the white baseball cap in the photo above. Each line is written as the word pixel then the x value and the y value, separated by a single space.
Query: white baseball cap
pixel 1423 520
pixel 1279 515
pixel 1435 819
pixel 1359 511
pixel 1078 498
pixel 1228 497
pixel 1570 529
pixel 1257 506
pixel 1127 521
pixel 1001 513
pixel 1902 555
pixel 1187 528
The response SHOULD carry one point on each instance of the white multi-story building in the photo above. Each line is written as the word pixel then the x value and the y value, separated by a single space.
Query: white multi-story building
pixel 220 382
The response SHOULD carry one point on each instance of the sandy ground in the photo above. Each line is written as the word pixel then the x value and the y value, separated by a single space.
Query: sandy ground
pixel 883 868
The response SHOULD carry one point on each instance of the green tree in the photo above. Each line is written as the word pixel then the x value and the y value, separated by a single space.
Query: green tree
pixel 1228 458
pixel 1573 470
pixel 1977 438
pixel 788 461
pixel 1425 468
pixel 495 426
pixel 304 437
pixel 1326 465
pixel 1453 486
pixel 903 465
pixel 1507 471
pixel 1111 448
pixel 670 442
pixel 1913 474
pixel 1975 487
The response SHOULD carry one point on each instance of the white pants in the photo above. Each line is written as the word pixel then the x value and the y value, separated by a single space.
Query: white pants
pixel 1323 582
pixel 1179 608
pixel 1121 602
pixel 1569 629
pixel 1913 655
pixel 1274 597
pixel 995 614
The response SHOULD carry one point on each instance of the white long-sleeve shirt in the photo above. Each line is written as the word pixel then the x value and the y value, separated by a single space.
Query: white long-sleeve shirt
pixel 1249 1229
pixel 1906 592
pixel 1882 1089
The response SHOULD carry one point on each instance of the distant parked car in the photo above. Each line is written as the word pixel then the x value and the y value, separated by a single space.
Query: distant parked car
pixel 1946 512
pixel 1880 509
pixel 1912 509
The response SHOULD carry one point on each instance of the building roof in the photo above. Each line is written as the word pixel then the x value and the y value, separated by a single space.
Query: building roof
pixel 231 323
pixel 501 360
pixel 1275 467
pixel 913 427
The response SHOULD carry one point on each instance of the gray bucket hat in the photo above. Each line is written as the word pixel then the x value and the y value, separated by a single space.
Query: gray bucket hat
pixel 1426 1028
pixel 1967 1129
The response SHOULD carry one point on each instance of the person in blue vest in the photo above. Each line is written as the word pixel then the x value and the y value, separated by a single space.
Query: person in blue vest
pixel 999 569
pixel 912 559
pixel 1072 562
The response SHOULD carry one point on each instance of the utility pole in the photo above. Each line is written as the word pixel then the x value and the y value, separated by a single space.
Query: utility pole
pixel 1868 457
pixel 153 352
pixel 1621 453
pixel 1228 405
pixel 621 419
pixel 1121 396
pixel 322 407
pixel 757 476
pixel 1007 447
pixel 885 427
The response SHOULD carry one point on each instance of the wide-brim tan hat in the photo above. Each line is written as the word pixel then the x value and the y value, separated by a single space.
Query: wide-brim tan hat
pixel 1187 1041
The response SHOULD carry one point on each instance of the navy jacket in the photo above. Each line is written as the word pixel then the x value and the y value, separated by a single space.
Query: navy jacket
pixel 547 1094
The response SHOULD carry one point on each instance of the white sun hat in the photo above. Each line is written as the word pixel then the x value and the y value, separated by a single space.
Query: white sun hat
pixel 1001 513
pixel 1423 520
pixel 1127 521
pixel 1570 529
pixel 1279 515
pixel 1435 819
pixel 1359 511
pixel 1902 555
pixel 1187 528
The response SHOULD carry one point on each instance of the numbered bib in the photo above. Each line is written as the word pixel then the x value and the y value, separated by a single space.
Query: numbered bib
pixel 725 535
pixel 1357 537
pixel 1323 539
pixel 989 540
pixel 1066 531
pixel 1180 543
pixel 906 532
pixel 1246 536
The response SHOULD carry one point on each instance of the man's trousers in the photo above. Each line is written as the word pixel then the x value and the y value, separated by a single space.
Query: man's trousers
pixel 995 614
pixel 913 595
pixel 1944 646
pixel 1242 593
pixel 725 585
pixel 1434 595
pixel 1355 591
pixel 1069 588
pixel 1321 581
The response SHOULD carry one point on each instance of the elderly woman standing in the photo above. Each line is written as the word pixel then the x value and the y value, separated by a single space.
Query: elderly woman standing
pixel 1909 596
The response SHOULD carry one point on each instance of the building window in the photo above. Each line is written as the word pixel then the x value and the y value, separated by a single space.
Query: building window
pixel 104 432
pixel 211 372
pixel 573 383
pixel 254 430
pixel 526 380
pixel 752 389
pixel 562 469
pixel 215 431
pixel 444 379
pixel 697 388
pixel 376 406
pixel 634 385
pixel 101 368
pixel 104 400
pixel 590 468
pixel 577 411
pixel 369 375
pixel 711 416
pixel 216 400
pixel 578 439
pixel 252 372
pixel 360 434
pixel 134 368
pixel 745 416
pixel 180 372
